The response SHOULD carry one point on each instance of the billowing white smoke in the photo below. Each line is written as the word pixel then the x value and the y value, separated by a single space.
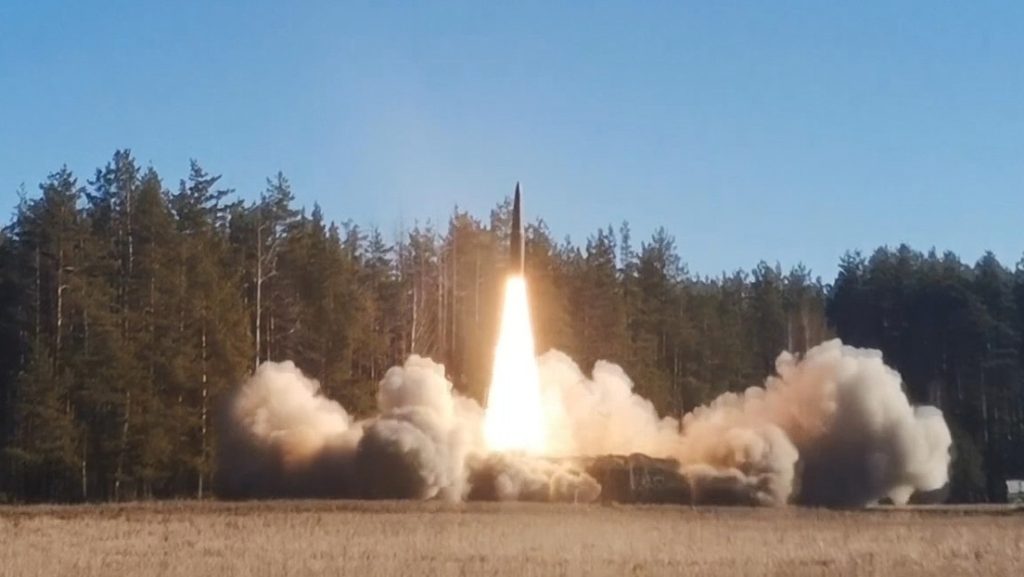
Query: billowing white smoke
pixel 832 428
pixel 839 414
pixel 418 445
pixel 285 408
pixel 282 437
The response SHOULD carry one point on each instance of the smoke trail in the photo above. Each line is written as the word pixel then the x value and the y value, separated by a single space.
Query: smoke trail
pixel 831 428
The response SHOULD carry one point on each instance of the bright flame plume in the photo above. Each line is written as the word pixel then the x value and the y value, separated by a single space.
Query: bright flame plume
pixel 515 414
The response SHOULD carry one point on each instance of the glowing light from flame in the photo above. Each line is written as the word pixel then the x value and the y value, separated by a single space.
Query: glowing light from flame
pixel 515 414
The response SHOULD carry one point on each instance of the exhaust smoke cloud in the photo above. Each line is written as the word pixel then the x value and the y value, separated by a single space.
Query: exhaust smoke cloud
pixel 833 427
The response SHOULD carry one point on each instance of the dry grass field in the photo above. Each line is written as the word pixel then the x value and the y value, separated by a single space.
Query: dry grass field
pixel 352 538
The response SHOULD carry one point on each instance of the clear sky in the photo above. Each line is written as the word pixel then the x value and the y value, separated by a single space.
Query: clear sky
pixel 787 131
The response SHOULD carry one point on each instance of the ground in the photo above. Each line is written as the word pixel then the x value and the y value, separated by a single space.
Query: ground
pixel 389 538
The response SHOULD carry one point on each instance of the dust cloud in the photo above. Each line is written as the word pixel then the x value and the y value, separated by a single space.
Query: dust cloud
pixel 831 427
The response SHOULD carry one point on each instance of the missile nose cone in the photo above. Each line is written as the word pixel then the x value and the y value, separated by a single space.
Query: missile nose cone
pixel 517 263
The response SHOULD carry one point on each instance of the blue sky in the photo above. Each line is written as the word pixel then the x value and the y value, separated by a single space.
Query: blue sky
pixel 787 131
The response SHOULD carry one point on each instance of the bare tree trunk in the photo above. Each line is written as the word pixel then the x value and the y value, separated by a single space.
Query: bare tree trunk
pixel 124 444
pixel 676 385
pixel 439 314
pixel 128 267
pixel 789 332
pixel 476 293
pixel 259 293
pixel 203 418
pixel 415 316
pixel 152 327
pixel 59 324
pixel 85 435
pixel 57 342
pixel 270 335
pixel 181 297
pixel 131 234
pixel 984 409
pixel 39 294
pixel 85 475
pixel 455 298
pixel 805 325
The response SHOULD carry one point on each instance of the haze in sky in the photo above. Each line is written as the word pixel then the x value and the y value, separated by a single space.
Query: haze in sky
pixel 785 131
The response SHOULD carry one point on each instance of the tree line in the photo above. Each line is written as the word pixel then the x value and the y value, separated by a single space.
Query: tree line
pixel 129 309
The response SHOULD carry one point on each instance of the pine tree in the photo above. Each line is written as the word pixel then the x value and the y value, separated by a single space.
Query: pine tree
pixel 661 332
pixel 599 319
pixel 768 316
pixel 212 336
pixel 46 242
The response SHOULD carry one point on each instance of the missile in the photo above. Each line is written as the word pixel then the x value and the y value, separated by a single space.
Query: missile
pixel 517 252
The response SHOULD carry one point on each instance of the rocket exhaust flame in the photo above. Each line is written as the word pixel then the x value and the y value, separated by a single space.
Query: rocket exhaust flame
pixel 515 418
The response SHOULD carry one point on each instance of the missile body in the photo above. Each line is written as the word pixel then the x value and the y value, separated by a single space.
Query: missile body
pixel 517 252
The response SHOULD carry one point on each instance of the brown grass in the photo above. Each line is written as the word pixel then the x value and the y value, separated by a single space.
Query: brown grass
pixel 349 538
